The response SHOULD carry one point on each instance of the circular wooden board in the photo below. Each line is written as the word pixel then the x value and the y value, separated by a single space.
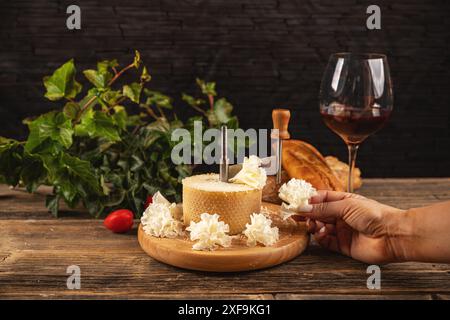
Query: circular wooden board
pixel 238 257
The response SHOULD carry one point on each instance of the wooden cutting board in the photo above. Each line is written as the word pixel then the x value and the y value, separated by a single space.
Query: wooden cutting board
pixel 238 257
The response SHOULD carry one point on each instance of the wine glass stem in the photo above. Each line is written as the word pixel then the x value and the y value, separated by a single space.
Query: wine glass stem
pixel 352 150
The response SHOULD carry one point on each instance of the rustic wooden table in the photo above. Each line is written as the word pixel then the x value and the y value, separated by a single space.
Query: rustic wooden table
pixel 36 249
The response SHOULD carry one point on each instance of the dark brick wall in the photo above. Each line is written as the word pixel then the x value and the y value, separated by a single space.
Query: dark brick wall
pixel 262 53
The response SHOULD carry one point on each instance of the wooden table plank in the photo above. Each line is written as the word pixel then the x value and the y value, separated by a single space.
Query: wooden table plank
pixel 37 273
pixel 407 193
pixel 37 253
pixel 35 250
pixel 19 204
pixel 402 193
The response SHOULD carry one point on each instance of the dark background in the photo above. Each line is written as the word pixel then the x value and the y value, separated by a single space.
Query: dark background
pixel 261 53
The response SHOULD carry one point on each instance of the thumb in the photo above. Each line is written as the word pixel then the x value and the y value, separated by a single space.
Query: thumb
pixel 327 212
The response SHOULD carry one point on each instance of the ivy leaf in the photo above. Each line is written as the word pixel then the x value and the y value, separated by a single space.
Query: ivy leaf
pixel 104 66
pixel 71 110
pixel 160 125
pixel 137 59
pixel 97 124
pixel 164 173
pixel 11 153
pixel 98 79
pixel 120 117
pixel 183 171
pixel 191 121
pixel 27 168
pixel 54 126
pixel 105 189
pixel 68 190
pixel 221 113
pixel 133 91
pixel 6 143
pixel 94 206
pixel 137 163
pixel 81 169
pixel 190 100
pixel 158 99
pixel 176 124
pixel 154 131
pixel 68 172
pixel 111 97
pixel 223 109
pixel 136 120
pixel 145 76
pixel 233 123
pixel 101 77
pixel 115 198
pixel 52 204
pixel 62 83
pixel 33 173
pixel 208 88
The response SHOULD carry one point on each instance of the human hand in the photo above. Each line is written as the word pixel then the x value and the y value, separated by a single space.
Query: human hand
pixel 353 225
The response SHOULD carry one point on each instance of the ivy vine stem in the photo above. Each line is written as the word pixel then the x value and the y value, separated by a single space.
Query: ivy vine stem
pixel 86 105
pixel 199 109
pixel 92 99
pixel 118 74
pixel 211 101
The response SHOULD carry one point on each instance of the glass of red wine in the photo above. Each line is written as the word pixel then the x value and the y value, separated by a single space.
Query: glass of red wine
pixel 356 98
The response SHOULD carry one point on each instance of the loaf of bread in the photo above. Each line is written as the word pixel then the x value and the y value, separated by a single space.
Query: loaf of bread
pixel 302 161
pixel 341 169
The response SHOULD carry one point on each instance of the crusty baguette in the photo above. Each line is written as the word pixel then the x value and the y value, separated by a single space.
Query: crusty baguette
pixel 341 169
pixel 302 161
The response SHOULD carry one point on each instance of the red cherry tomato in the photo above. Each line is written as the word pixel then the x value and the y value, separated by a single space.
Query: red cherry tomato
pixel 148 201
pixel 119 221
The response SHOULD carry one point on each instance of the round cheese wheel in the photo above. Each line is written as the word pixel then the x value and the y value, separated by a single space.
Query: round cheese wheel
pixel 233 202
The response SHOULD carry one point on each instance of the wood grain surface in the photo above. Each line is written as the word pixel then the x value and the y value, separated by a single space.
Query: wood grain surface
pixel 36 249
pixel 293 239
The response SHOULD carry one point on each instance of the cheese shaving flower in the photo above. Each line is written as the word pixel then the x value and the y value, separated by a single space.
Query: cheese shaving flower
pixel 210 232
pixel 260 230
pixel 251 174
pixel 296 193
pixel 175 209
pixel 162 218
pixel 157 221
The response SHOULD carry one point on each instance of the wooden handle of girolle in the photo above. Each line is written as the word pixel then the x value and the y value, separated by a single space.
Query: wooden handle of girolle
pixel 280 118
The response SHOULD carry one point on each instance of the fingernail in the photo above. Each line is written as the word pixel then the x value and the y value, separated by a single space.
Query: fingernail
pixel 306 208
pixel 322 230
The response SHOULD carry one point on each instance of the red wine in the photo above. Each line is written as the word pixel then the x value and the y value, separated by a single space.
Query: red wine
pixel 354 126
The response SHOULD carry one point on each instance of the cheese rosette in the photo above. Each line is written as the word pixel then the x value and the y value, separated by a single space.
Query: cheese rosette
pixel 295 194
pixel 175 209
pixel 260 230
pixel 210 232
pixel 162 218
pixel 251 173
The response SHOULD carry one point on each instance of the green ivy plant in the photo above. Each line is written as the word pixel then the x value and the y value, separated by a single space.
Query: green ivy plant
pixel 110 146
